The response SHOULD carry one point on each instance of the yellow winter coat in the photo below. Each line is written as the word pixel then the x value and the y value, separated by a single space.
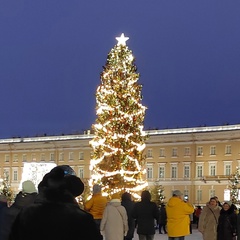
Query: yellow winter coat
pixel 96 205
pixel 178 217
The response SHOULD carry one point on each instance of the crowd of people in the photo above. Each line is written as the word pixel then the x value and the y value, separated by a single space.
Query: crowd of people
pixel 52 212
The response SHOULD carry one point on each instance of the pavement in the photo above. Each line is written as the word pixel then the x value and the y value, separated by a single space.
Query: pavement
pixel 196 235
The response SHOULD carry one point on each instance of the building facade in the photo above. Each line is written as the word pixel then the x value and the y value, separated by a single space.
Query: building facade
pixel 198 161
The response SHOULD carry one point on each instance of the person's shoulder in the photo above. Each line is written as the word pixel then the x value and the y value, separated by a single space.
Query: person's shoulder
pixel 137 204
pixel 84 213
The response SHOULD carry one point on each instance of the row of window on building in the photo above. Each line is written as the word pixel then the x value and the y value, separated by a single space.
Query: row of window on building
pixel 199 194
pixel 15 176
pixel 149 154
pixel 187 151
pixel 186 173
pixel 43 157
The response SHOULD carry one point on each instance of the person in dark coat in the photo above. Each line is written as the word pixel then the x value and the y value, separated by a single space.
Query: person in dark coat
pixel 145 212
pixel 3 208
pixel 55 214
pixel 129 204
pixel 24 198
pixel 227 222
pixel 162 221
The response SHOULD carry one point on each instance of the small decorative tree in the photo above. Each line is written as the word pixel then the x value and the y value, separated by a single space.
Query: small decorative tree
pixel 157 193
pixel 234 181
pixel 6 188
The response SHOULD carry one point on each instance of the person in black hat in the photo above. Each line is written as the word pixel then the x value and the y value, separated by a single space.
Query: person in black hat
pixel 55 213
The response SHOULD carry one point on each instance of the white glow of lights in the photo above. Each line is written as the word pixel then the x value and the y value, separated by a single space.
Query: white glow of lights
pixel 34 172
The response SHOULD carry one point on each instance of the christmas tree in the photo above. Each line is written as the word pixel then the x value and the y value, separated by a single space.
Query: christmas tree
pixel 117 162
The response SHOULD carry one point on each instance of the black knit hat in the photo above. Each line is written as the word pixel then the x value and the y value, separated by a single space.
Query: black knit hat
pixel 64 177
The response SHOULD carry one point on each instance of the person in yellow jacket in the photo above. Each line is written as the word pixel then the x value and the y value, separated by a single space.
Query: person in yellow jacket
pixel 178 220
pixel 96 205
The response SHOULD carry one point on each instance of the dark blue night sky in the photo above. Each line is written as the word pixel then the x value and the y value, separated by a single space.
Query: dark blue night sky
pixel 52 52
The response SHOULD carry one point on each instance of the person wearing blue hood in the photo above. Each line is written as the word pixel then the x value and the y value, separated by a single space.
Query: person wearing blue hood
pixel 55 214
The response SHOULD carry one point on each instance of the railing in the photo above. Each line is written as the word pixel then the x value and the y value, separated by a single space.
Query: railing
pixel 217 178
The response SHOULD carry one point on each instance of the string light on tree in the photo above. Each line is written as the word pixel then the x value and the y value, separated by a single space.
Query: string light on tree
pixel 117 162
pixel 5 188
pixel 157 193
pixel 234 190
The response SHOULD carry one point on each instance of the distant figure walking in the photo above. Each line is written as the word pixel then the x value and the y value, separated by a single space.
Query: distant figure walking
pixel 162 221
pixel 197 213
pixel 145 212
pixel 114 224
pixel 128 203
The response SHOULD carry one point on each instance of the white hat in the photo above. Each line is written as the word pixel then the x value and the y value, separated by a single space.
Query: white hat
pixel 28 187
pixel 228 202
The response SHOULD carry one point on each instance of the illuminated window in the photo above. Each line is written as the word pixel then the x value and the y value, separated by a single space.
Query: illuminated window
pixel 199 171
pixel 199 195
pixel 71 156
pixel 81 156
pixel 149 171
pixel 212 169
pixel 162 152
pixel 212 150
pixel 187 151
pixel 199 151
pixel 15 158
pixel 174 152
pixel 228 149
pixel 42 157
pixel 173 171
pixel 15 175
pixel 61 156
pixel 24 157
pixel 81 172
pixel 186 171
pixel 227 169
pixel 161 172
pixel 212 193
pixel 149 153
pixel 7 158
pixel 33 157
pixel 52 157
